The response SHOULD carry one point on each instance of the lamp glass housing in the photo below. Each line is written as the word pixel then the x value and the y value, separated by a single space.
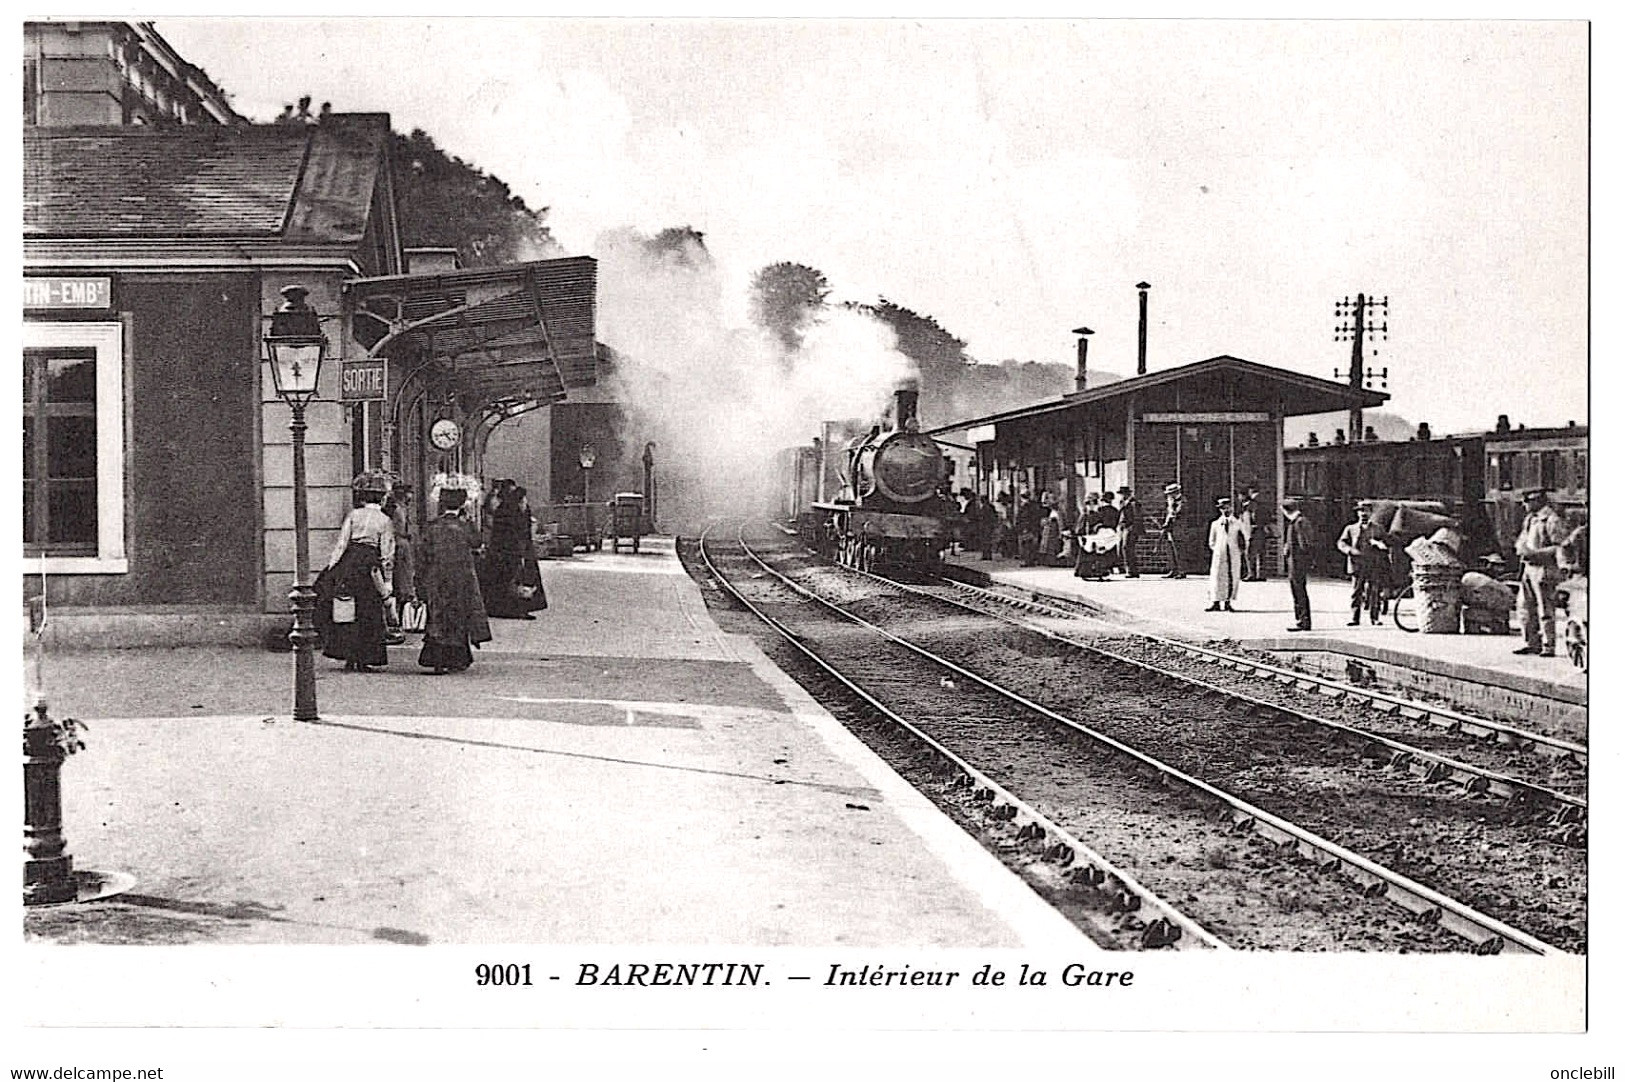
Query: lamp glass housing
pixel 295 346
pixel 296 365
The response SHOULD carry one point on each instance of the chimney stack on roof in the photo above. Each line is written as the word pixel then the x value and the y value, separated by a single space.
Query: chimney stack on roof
pixel 1142 287
pixel 1083 334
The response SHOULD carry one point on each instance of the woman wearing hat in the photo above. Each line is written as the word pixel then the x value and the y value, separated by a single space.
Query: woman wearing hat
pixel 446 578
pixel 350 593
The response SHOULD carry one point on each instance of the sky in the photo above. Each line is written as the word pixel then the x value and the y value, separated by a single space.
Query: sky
pixel 1014 179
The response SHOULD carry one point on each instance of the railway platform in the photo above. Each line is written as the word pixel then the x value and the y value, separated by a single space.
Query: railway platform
pixel 618 771
pixel 1480 670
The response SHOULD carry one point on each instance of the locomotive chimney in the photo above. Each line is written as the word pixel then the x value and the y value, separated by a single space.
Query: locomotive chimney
pixel 1142 287
pixel 1083 334
pixel 908 405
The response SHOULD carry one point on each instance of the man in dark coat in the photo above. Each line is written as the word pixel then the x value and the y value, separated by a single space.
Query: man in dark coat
pixel 1296 542
pixel 450 589
pixel 1029 525
pixel 1130 525
pixel 1172 514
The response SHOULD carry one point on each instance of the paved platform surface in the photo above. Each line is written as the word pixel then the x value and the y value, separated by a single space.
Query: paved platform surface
pixel 1264 611
pixel 619 771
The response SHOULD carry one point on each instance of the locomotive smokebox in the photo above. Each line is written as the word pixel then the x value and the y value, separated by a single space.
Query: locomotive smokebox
pixel 908 406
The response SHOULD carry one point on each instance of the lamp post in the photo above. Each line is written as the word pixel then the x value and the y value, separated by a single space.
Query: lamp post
pixel 649 482
pixel 295 347
pixel 588 458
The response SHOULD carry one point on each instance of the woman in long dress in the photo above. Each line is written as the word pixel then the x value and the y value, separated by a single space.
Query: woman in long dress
pixel 532 595
pixel 505 556
pixel 450 589
pixel 1224 538
pixel 357 577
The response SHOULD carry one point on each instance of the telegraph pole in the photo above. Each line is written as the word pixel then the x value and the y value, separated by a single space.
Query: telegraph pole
pixel 1356 319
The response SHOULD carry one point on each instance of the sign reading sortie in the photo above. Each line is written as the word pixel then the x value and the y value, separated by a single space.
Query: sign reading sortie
pixel 362 381
pixel 67 292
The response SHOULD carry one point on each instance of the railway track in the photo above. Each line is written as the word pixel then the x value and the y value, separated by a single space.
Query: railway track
pixel 1027 756
pixel 1432 743
pixel 1569 755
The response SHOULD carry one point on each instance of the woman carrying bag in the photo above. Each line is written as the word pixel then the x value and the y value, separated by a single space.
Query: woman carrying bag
pixel 350 593
pixel 532 596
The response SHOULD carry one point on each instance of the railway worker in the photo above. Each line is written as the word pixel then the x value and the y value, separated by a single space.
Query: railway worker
pixel 1365 544
pixel 1256 526
pixel 1296 544
pixel 1224 569
pixel 1130 525
pixel 1539 541
pixel 1172 513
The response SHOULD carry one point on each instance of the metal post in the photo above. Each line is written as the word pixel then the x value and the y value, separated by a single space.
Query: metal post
pixel 1357 371
pixel 302 596
pixel 47 868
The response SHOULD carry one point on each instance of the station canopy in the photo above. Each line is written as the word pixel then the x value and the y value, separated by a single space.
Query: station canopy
pixel 523 332
pixel 1236 381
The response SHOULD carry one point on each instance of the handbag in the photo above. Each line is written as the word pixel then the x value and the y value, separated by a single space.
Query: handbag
pixel 414 616
pixel 344 610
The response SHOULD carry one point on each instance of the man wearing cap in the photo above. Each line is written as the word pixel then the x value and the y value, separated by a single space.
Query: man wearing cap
pixel 1538 543
pixel 1365 544
pixel 1224 571
pixel 1296 542
pixel 1170 520
pixel 1130 524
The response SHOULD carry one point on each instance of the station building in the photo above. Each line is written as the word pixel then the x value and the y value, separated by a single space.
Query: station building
pixel 1213 426
pixel 157 479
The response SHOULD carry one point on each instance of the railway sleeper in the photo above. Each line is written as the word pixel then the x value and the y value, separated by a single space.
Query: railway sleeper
pixel 1089 875
pixel 1160 933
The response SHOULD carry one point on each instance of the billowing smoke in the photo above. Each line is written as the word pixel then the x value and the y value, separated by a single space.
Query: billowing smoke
pixel 721 401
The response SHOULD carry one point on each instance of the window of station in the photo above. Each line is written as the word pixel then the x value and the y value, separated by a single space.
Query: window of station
pixel 1580 471
pixel 73 447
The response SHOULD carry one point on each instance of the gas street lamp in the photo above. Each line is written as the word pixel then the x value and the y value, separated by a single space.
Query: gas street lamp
pixel 295 346
pixel 588 459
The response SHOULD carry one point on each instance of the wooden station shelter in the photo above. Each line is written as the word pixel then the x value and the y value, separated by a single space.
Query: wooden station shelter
pixel 1214 427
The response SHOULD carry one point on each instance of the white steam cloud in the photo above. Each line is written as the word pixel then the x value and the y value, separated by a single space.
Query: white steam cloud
pixel 721 401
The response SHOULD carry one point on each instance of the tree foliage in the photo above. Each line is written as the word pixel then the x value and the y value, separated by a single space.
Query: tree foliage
pixel 922 339
pixel 446 202
pixel 680 244
pixel 785 298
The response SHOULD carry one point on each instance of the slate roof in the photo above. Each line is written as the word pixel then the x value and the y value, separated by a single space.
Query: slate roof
pixel 292 182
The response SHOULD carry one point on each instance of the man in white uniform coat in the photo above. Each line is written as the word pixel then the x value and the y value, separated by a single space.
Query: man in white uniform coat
pixel 1227 541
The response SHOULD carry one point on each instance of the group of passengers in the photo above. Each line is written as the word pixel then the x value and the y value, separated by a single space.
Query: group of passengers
pixel 383 578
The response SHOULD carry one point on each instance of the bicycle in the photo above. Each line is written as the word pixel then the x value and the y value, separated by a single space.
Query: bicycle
pixel 1406 611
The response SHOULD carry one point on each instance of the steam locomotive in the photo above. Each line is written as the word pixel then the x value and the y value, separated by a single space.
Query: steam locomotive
pixel 893 506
